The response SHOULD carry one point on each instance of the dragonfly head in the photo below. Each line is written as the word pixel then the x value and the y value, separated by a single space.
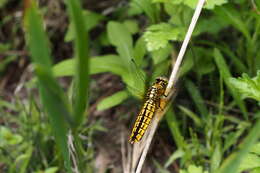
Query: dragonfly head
pixel 162 81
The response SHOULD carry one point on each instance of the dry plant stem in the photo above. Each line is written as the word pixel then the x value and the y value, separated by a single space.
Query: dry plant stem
pixel 172 80
pixel 176 67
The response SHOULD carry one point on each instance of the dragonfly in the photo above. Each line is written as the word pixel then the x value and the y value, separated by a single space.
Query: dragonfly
pixel 150 106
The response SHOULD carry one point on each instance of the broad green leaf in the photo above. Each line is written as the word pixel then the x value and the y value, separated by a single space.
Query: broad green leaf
pixel 131 25
pixel 91 20
pixel 193 169
pixel 250 161
pixel 212 25
pixel 248 87
pixel 157 36
pixel 113 100
pixel 121 38
pixel 147 7
pixel 139 51
pixel 161 54
pixel 210 4
pixel 225 73
pixel 99 64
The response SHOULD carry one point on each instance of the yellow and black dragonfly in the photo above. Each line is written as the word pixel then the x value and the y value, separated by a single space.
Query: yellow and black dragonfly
pixel 150 105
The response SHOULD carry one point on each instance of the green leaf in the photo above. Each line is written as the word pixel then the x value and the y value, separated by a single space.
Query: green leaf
pixel 193 169
pixel 121 38
pixel 147 7
pixel 233 162
pixel 233 16
pixel 139 51
pixel 98 64
pixel 2 3
pixel 210 4
pixel 22 161
pixel 157 36
pixel 91 20
pixel 225 73
pixel 177 154
pixel 216 158
pixel 248 87
pixel 212 25
pixel 81 47
pixel 7 138
pixel 192 115
pixel 132 26
pixel 197 99
pixel 175 130
pixel 52 96
pixel 161 54
pixel 113 100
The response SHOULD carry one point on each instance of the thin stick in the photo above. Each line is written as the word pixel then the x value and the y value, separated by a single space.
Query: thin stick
pixel 176 67
pixel 172 80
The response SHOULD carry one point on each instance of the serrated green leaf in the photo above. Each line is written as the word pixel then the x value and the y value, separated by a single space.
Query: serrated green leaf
pixel 113 100
pixel 210 4
pixel 157 36
pixel 249 88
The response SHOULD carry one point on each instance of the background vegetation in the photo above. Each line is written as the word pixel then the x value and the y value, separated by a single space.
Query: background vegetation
pixel 73 72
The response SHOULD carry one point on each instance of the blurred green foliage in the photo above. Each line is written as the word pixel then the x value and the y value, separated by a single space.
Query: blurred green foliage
pixel 213 128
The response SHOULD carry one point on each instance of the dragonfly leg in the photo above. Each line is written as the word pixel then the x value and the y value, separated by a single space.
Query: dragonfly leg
pixel 159 105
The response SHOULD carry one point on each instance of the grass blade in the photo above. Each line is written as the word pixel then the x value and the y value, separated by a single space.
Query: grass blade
pixel 82 60
pixel 52 96
pixel 225 73
pixel 197 99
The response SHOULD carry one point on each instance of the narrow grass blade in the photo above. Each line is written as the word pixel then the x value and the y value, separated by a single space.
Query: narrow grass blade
pixel 232 163
pixel 52 96
pixel 82 60
pixel 174 128
pixel 197 99
pixel 225 73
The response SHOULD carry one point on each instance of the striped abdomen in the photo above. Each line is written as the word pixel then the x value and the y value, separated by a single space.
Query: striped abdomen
pixel 143 119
